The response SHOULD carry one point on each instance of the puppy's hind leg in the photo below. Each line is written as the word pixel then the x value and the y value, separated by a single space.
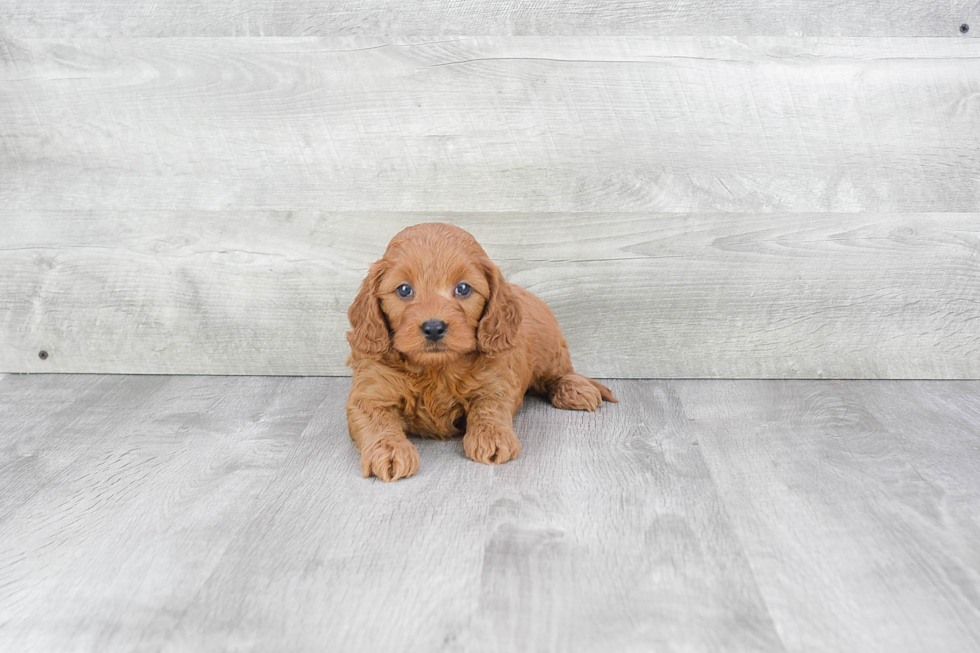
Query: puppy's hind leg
pixel 576 392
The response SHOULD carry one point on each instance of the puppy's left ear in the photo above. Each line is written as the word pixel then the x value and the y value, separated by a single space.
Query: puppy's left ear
pixel 502 315
pixel 369 335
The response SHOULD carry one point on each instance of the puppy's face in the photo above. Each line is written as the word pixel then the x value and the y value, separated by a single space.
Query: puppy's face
pixel 433 300
pixel 434 297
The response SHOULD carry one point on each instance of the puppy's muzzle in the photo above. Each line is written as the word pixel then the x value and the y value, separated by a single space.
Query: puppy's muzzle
pixel 434 330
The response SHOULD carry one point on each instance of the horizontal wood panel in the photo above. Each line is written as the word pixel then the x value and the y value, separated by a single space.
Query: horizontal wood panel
pixel 60 18
pixel 638 295
pixel 549 124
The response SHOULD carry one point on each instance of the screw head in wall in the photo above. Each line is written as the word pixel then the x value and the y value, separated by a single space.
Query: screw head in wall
pixel 43 355
pixel 964 28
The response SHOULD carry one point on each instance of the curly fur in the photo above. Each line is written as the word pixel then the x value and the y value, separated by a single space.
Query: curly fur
pixel 501 342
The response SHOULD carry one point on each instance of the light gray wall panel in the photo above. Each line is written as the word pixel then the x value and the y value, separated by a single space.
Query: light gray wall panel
pixel 492 124
pixel 501 17
pixel 734 206
pixel 665 295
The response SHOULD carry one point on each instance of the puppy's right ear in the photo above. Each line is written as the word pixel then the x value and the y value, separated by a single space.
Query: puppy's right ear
pixel 370 335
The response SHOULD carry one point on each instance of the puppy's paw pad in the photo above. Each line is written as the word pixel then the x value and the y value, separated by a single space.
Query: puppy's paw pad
pixel 390 460
pixel 491 447
pixel 574 392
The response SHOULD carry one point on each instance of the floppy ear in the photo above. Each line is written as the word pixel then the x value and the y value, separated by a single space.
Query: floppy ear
pixel 370 335
pixel 497 331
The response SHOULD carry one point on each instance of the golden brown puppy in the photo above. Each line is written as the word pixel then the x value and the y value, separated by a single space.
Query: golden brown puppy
pixel 442 345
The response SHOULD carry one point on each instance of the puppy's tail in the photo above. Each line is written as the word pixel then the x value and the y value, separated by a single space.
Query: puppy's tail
pixel 606 393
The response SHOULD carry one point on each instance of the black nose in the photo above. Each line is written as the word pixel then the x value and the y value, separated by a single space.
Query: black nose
pixel 434 329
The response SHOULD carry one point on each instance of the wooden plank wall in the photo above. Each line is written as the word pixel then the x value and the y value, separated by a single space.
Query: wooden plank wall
pixel 750 190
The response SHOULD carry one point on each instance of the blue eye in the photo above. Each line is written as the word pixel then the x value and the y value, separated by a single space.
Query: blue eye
pixel 463 290
pixel 404 291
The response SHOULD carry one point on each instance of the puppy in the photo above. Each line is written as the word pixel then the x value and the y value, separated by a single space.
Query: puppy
pixel 441 346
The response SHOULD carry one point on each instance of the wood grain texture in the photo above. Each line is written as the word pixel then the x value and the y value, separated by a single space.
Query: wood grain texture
pixel 378 567
pixel 61 18
pixel 534 555
pixel 741 207
pixel 220 514
pixel 856 503
pixel 46 430
pixel 491 124
pixel 130 513
pixel 699 295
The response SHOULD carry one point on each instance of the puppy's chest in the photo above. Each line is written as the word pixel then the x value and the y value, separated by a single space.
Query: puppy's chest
pixel 436 409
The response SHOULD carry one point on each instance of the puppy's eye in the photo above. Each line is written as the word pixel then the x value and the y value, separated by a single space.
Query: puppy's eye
pixel 404 291
pixel 463 290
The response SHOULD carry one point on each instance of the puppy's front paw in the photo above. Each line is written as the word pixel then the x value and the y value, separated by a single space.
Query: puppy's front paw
pixel 390 459
pixel 491 445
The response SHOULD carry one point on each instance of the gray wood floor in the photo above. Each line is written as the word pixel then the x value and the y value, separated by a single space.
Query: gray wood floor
pixel 156 513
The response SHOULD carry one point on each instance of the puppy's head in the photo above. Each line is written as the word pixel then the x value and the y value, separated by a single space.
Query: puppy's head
pixel 434 297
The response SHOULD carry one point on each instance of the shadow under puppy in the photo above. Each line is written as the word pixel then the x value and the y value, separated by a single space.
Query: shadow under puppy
pixel 442 345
